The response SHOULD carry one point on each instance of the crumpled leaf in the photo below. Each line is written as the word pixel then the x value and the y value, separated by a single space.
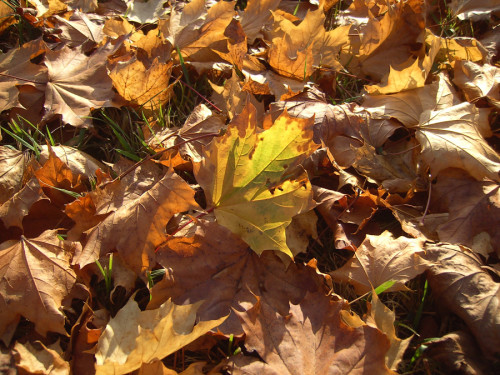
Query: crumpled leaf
pixel 459 353
pixel 473 10
pixel 17 207
pixel 461 285
pixel 135 229
pixel 231 99
pixel 134 337
pixel 383 258
pixel 381 317
pixel 35 276
pixel 312 339
pixel 243 178
pixel 217 267
pixel 451 134
pixel 474 211
pixel 202 121
pixel 77 161
pixel 478 81
pixel 80 29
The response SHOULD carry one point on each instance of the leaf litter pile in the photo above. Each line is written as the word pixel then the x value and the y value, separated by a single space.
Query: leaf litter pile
pixel 250 187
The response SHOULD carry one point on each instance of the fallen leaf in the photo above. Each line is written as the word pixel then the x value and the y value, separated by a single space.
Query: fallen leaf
pixel 80 29
pixel 13 211
pixel 202 121
pixel 134 337
pixel 17 69
pixel 458 352
pixel 478 81
pixel 77 161
pixel 135 229
pixel 473 10
pixel 231 99
pixel 146 12
pixel 296 51
pixel 474 208
pixel 217 267
pixel 141 85
pixel 383 258
pixel 381 317
pixel 46 360
pixel 35 277
pixel 241 168
pixel 311 339
pixel 12 164
pixel 77 83
pixel 460 284
pixel 256 16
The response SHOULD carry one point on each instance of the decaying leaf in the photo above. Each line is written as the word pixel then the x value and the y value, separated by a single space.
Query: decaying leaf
pixel 137 228
pixel 383 258
pixel 312 339
pixel 35 276
pixel 218 268
pixel 134 337
pixel 474 211
pixel 243 178
pixel 463 287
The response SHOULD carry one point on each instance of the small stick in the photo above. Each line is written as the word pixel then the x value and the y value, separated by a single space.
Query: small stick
pixel 200 95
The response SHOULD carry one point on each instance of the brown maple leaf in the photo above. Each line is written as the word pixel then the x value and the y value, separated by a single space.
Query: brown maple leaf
pixel 311 339
pixel 35 277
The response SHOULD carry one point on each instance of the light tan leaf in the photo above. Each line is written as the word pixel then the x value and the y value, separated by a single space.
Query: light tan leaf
pixel 478 81
pixel 44 361
pixel 451 138
pixel 134 337
pixel 146 12
pixel 381 317
pixel 201 121
pixel 461 285
pixel 35 276
pixel 80 29
pixel 311 339
pixel 473 10
pixel 77 161
pixel 383 258
pixel 135 229
pixel 12 166
pixel 76 84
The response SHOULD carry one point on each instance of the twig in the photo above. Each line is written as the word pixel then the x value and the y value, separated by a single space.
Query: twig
pixel 200 95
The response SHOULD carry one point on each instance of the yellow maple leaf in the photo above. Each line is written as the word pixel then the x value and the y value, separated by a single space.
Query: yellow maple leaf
pixel 243 176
